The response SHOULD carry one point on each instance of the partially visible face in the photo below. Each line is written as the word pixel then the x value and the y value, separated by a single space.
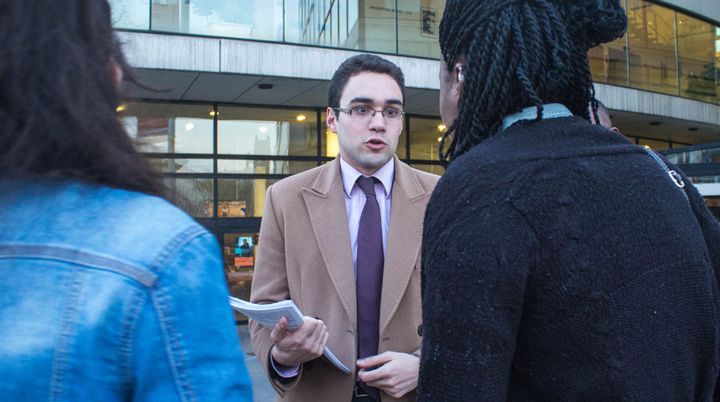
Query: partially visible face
pixel 368 144
pixel 450 89
pixel 604 117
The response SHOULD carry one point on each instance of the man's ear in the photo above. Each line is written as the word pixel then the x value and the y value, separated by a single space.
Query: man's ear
pixel 331 119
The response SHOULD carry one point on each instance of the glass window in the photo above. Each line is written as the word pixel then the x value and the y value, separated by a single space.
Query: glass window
pixel 239 258
pixel 376 26
pixel 352 24
pixel 418 27
pixel 240 198
pixel 182 165
pixel 256 19
pixel 434 169
pixel 651 37
pixel 168 127
pixel 130 14
pixel 244 166
pixel 713 202
pixel 194 196
pixel 425 138
pixel 655 145
pixel 608 62
pixel 696 50
pixel 254 131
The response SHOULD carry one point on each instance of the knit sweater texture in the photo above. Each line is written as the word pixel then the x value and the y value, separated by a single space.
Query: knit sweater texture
pixel 561 263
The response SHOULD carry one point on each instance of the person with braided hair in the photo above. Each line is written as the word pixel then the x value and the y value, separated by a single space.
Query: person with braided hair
pixel 559 262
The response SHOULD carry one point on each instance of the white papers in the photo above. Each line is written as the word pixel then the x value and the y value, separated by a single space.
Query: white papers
pixel 268 315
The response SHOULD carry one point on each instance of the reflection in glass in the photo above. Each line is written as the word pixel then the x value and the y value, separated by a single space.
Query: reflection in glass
pixel 655 145
pixel 376 26
pixel 425 139
pixel 651 37
pixel 351 24
pixel 130 14
pixel 434 169
pixel 168 127
pixel 710 155
pixel 253 131
pixel 608 62
pixel 239 251
pixel 244 166
pixel 696 51
pixel 256 19
pixel 182 165
pixel 194 196
pixel 418 27
pixel 240 198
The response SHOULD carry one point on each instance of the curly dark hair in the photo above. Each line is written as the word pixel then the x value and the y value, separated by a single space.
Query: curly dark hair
pixel 360 64
pixel 58 99
pixel 521 53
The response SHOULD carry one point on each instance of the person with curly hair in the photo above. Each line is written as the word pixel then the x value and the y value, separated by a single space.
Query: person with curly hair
pixel 560 262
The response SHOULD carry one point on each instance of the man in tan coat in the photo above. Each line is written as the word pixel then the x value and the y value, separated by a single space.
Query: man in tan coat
pixel 343 242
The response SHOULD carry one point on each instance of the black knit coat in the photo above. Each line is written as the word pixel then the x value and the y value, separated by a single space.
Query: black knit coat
pixel 561 263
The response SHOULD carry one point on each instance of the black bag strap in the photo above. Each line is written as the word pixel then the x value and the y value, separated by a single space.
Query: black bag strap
pixel 674 175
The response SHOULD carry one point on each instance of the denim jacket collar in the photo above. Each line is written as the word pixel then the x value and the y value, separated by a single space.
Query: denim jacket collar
pixel 550 111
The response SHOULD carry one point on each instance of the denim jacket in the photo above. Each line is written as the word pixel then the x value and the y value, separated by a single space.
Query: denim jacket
pixel 110 295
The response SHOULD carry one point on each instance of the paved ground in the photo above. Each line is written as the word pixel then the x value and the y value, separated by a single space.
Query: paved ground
pixel 262 391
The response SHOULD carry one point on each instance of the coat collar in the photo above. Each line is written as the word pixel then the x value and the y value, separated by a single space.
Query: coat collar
pixel 325 198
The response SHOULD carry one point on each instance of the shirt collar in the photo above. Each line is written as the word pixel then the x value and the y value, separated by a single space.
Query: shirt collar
pixel 350 175
pixel 550 111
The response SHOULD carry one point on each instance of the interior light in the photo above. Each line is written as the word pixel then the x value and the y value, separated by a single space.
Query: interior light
pixel 439 139
pixel 441 127
pixel 121 108
pixel 301 117
pixel 214 113
pixel 263 129
pixel 189 126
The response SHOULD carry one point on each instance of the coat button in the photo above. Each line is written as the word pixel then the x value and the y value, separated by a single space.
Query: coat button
pixel 420 330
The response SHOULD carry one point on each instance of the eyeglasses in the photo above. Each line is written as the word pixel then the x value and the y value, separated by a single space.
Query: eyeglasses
pixel 364 113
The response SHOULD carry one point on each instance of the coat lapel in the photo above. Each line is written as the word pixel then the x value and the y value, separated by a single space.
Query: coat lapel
pixel 404 239
pixel 326 206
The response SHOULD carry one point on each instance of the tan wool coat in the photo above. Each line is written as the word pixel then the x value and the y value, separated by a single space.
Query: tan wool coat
pixel 305 255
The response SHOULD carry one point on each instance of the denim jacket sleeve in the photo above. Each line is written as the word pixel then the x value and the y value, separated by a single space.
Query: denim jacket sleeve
pixel 185 346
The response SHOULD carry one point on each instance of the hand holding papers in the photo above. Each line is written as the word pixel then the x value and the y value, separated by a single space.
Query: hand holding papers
pixel 268 315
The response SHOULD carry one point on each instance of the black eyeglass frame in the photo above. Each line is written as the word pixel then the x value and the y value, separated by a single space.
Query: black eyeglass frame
pixel 400 116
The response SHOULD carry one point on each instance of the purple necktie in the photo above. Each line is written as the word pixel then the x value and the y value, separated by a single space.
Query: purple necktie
pixel 370 261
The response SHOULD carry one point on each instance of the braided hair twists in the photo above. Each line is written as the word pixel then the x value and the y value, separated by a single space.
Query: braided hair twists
pixel 521 53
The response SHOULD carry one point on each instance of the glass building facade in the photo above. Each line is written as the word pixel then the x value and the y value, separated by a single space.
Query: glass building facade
pixel 701 163
pixel 664 50
pixel 218 159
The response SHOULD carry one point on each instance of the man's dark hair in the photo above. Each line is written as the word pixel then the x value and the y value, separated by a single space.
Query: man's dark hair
pixel 360 64
pixel 521 53
pixel 58 100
